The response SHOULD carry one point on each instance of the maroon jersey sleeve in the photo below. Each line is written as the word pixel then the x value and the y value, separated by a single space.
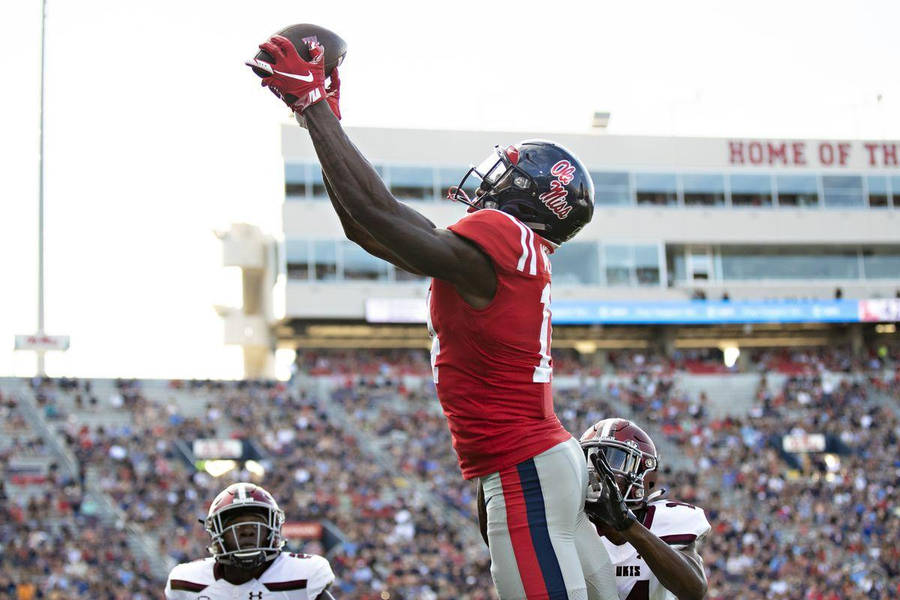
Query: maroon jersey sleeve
pixel 511 245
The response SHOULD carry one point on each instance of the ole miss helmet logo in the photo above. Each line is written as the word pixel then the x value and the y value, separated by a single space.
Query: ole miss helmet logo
pixel 555 198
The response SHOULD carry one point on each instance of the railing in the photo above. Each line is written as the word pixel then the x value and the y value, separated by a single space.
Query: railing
pixel 138 540
pixel 109 511
pixel 32 413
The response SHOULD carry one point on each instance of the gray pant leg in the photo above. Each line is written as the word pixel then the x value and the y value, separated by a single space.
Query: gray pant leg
pixel 599 572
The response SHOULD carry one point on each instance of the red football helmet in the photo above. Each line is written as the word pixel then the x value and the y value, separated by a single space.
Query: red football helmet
pixel 630 453
pixel 239 499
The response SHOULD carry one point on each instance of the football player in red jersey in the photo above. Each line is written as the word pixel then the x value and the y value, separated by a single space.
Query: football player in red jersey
pixel 244 524
pixel 654 541
pixel 489 317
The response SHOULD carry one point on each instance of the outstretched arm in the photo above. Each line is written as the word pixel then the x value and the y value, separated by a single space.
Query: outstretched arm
pixel 355 233
pixel 407 234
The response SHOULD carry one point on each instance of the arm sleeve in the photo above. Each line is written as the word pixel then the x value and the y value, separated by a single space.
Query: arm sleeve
pixel 321 577
pixel 512 246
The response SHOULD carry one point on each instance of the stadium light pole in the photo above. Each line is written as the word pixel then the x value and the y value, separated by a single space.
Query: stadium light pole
pixel 40 353
pixel 40 342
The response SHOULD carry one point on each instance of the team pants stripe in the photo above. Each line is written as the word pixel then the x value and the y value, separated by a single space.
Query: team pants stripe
pixel 527 521
pixel 540 535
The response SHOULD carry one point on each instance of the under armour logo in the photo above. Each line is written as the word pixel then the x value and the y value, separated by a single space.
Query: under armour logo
pixel 256 595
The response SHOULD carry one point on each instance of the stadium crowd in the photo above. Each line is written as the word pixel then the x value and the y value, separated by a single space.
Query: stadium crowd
pixel 790 525
pixel 314 468
pixel 52 542
pixel 805 526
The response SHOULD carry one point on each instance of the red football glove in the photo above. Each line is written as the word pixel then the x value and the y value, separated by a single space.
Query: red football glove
pixel 299 83
pixel 333 93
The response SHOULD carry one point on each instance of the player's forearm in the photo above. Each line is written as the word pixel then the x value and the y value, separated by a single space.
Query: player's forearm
pixel 356 233
pixel 675 571
pixel 352 229
pixel 359 188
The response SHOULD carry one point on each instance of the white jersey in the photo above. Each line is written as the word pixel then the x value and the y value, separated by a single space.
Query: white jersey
pixel 289 577
pixel 675 523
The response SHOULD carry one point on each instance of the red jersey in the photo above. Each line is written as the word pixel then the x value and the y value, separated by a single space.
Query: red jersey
pixel 492 366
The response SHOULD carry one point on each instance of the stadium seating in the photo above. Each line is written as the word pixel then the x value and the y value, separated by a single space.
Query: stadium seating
pixel 357 441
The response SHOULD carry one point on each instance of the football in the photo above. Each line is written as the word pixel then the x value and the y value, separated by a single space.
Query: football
pixel 335 47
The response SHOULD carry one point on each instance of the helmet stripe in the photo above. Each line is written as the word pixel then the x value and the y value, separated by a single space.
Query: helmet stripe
pixel 606 427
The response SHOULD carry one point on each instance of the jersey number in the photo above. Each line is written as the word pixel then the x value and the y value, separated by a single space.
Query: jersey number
pixel 543 371
pixel 435 342
pixel 640 591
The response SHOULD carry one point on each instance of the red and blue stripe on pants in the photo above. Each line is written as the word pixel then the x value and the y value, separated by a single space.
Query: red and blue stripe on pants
pixel 527 522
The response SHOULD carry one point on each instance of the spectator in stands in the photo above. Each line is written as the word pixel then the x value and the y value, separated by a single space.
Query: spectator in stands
pixel 785 526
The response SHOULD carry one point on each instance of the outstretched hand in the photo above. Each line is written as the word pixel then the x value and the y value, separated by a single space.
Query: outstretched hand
pixel 297 82
pixel 605 504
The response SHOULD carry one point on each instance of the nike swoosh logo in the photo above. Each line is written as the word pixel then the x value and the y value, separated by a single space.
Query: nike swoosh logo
pixel 308 78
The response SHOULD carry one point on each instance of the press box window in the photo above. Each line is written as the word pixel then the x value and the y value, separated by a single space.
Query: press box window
pixel 295 181
pixel 646 265
pixel 412 183
pixel 843 191
pixel 751 190
pixel 797 190
pixel 618 265
pixel 882 263
pixel 360 265
pixel 576 263
pixel 612 189
pixel 703 190
pixel 788 262
pixel 656 189
pixel 297 257
pixel 325 260
pixel 317 186
pixel 878 192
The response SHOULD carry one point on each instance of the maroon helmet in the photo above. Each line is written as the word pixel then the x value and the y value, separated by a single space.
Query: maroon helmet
pixel 239 499
pixel 630 453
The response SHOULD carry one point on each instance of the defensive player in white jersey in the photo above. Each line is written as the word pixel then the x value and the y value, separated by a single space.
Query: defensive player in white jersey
pixel 247 562
pixel 653 541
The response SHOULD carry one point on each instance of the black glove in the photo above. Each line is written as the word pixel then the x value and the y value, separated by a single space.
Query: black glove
pixel 605 504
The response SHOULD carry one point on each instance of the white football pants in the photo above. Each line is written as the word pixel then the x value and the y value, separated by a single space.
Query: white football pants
pixel 542 544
